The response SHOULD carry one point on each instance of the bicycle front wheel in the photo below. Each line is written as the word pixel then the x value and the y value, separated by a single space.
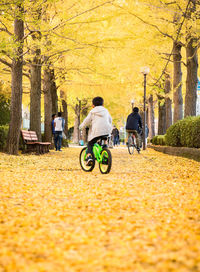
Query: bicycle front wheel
pixel 130 145
pixel 106 163
pixel 82 159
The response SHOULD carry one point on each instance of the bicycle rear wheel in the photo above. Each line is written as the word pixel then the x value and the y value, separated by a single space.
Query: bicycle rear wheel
pixel 82 159
pixel 130 145
pixel 105 165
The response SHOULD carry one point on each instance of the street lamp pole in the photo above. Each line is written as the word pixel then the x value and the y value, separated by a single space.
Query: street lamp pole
pixel 145 72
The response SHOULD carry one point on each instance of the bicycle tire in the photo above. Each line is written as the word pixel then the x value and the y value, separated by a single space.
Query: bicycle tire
pixel 105 165
pixel 86 168
pixel 130 145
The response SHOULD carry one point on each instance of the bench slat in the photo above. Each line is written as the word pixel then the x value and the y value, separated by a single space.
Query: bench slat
pixel 30 138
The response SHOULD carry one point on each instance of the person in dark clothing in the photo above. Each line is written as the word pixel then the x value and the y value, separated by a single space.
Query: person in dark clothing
pixel 115 134
pixel 53 128
pixel 134 125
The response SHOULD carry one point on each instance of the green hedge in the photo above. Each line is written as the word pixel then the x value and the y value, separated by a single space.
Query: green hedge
pixel 3 137
pixel 185 132
pixel 159 140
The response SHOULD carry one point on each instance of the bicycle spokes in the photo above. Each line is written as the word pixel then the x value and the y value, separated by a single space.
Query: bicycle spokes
pixel 83 162
pixel 101 154
pixel 106 161
pixel 131 145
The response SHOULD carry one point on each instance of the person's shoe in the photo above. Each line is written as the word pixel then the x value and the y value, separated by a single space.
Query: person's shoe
pixel 89 161
pixel 138 149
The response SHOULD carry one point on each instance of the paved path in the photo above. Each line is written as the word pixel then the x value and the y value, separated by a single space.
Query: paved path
pixel 143 216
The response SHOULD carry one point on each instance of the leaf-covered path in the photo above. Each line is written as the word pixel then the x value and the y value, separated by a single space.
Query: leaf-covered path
pixel 143 216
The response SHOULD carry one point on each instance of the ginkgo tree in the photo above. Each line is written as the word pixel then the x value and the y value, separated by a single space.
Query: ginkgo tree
pixel 90 48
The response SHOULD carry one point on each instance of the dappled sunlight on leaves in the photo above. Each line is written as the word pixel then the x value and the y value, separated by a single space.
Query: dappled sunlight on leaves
pixel 143 216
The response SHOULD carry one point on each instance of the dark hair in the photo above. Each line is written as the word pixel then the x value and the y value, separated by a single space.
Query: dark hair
pixel 135 109
pixel 53 115
pixel 59 114
pixel 97 101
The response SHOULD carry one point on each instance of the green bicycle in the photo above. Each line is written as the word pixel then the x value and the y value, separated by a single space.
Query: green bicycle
pixel 100 153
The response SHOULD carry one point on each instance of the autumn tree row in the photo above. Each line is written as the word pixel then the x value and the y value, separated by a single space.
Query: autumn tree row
pixel 36 51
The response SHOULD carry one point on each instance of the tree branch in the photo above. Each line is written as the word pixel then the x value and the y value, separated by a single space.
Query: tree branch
pixel 177 37
pixel 145 22
pixel 81 13
pixel 5 62
pixel 5 29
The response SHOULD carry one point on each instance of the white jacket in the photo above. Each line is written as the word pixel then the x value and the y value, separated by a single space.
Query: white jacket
pixel 99 122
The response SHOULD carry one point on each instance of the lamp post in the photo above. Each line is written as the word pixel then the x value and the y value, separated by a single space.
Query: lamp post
pixel 132 103
pixel 144 71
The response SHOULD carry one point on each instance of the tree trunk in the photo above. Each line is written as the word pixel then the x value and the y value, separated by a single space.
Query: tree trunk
pixel 84 135
pixel 191 80
pixel 177 82
pixel 54 95
pixel 47 105
pixel 65 116
pixel 35 96
pixel 161 116
pixel 151 120
pixel 168 101
pixel 77 123
pixel 65 111
pixel 16 97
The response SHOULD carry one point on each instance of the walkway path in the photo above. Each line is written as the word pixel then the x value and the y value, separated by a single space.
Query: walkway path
pixel 143 216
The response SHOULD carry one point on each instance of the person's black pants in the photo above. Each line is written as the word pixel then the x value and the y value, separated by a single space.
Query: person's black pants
pixel 92 142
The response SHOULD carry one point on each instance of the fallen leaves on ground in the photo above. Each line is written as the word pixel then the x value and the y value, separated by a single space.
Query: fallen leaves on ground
pixel 143 216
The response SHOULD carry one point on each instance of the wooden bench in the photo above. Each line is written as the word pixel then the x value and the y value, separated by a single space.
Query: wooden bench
pixel 32 144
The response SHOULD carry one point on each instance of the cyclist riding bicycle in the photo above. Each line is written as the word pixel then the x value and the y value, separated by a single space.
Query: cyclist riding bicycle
pixel 134 126
pixel 100 124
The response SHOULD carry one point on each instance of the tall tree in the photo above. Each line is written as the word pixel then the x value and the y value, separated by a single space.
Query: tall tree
pixel 47 87
pixel 17 67
pixel 192 60
pixel 161 116
pixel 177 74
pixel 168 101
pixel 151 120
pixel 35 94
pixel 35 69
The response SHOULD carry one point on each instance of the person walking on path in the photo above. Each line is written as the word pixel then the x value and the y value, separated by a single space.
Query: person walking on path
pixel 100 124
pixel 146 133
pixel 59 124
pixel 53 128
pixel 115 134
pixel 134 125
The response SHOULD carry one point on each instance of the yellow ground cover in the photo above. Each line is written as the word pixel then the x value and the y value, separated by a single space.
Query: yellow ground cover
pixel 143 216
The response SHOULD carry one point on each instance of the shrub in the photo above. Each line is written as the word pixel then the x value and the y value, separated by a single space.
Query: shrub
pixel 173 134
pixel 184 133
pixel 3 137
pixel 4 110
pixel 65 143
pixel 159 140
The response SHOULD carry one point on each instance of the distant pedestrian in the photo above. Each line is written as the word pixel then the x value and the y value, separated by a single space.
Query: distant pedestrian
pixel 59 124
pixel 146 133
pixel 115 134
pixel 53 128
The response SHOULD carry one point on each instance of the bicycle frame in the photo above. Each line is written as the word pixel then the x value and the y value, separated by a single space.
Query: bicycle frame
pixel 133 137
pixel 97 152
